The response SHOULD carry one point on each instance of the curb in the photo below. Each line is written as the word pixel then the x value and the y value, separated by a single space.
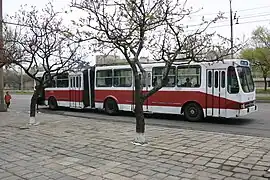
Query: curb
pixel 262 101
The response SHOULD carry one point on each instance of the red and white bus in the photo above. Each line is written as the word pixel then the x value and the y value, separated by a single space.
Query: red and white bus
pixel 197 90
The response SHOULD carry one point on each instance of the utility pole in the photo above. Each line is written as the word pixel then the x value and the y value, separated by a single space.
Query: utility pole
pixel 2 103
pixel 231 23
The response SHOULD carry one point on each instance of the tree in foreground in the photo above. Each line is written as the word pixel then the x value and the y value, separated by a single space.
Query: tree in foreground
pixel 41 43
pixel 259 52
pixel 157 27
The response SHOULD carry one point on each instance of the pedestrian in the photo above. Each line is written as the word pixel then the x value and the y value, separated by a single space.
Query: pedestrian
pixel 7 99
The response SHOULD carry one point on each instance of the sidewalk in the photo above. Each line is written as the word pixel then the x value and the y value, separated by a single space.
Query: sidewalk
pixel 67 148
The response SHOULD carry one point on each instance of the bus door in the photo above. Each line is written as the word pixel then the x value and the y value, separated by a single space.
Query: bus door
pixel 75 92
pixel 72 94
pixel 216 92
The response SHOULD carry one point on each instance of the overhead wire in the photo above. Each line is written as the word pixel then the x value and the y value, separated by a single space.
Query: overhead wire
pixel 247 16
pixel 239 18
pixel 227 25
pixel 227 12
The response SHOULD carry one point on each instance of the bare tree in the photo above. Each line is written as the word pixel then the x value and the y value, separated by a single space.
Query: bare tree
pixel 41 39
pixel 9 50
pixel 12 78
pixel 156 27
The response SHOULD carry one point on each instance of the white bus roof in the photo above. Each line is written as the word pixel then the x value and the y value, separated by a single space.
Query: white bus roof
pixel 225 63
pixel 217 64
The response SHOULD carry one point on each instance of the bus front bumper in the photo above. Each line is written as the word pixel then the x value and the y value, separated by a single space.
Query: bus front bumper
pixel 246 111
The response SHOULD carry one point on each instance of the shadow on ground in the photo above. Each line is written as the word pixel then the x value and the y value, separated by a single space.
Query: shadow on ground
pixel 170 117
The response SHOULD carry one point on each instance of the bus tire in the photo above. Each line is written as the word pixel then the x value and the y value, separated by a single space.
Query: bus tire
pixel 111 106
pixel 193 112
pixel 52 103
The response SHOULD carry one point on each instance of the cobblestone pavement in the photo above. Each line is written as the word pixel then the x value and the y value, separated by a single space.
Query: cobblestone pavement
pixel 66 148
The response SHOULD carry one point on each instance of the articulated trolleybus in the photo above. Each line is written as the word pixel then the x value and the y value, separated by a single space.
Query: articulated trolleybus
pixel 197 90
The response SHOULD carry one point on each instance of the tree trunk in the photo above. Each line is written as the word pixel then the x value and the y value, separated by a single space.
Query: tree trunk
pixel 140 124
pixel 265 83
pixel 33 104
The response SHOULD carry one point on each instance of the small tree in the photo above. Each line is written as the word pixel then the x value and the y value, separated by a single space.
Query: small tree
pixel 259 52
pixel 41 39
pixel 260 58
pixel 156 27
pixel 261 37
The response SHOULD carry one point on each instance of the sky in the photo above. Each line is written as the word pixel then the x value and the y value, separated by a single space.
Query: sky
pixel 250 13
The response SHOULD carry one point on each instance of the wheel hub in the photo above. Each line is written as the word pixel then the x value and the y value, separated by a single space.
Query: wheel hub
pixel 193 112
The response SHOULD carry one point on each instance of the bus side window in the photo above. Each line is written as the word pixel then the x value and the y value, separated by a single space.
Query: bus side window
pixel 158 74
pixel 209 78
pixel 122 78
pixel 73 84
pixel 232 82
pixel 223 79
pixel 70 82
pixel 189 76
pixel 104 78
pixel 79 81
pixel 62 80
pixel 216 79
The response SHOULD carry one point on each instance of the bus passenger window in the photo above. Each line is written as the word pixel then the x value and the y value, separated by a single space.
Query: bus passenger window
pixel 158 75
pixel 223 79
pixel 216 79
pixel 77 82
pixel 122 78
pixel 62 80
pixel 209 78
pixel 104 78
pixel 189 76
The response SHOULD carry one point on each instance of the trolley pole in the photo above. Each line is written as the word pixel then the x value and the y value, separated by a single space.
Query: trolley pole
pixel 2 103
pixel 231 24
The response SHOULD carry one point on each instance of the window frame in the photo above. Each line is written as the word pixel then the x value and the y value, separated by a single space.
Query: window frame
pixel 162 67
pixel 63 77
pixel 209 83
pixel 223 79
pixel 187 67
pixel 230 79
pixel 119 77
pixel 216 75
pixel 109 77
pixel 79 81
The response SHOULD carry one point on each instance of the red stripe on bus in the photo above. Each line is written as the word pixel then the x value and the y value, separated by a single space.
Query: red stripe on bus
pixel 161 98
pixel 65 95
pixel 170 98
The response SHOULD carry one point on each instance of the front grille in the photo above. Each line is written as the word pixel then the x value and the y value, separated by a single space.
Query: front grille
pixel 249 104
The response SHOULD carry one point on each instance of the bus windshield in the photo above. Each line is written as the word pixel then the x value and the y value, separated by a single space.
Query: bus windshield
pixel 246 79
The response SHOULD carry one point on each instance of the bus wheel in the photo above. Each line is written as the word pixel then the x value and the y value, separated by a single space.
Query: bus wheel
pixel 193 112
pixel 52 103
pixel 111 107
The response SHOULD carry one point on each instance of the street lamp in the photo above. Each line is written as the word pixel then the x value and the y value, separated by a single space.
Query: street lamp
pixel 2 103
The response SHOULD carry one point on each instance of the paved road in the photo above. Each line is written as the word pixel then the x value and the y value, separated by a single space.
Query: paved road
pixel 72 148
pixel 257 124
